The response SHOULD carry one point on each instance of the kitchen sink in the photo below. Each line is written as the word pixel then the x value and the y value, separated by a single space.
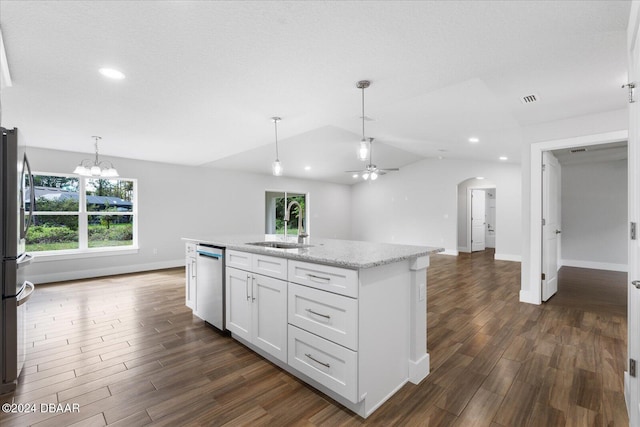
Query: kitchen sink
pixel 280 245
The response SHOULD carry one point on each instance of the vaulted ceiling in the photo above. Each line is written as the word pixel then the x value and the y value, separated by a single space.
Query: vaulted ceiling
pixel 203 78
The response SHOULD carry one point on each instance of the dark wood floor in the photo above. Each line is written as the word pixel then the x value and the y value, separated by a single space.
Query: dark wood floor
pixel 128 352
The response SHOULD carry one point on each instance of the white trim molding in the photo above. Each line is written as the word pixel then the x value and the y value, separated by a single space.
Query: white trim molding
pixel 594 265
pixel 107 271
pixel 531 290
pixel 508 257
pixel 449 252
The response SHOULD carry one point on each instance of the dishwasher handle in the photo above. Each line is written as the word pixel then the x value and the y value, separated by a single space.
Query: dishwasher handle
pixel 209 254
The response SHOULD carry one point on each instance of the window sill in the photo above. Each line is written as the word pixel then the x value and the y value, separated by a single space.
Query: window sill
pixel 47 256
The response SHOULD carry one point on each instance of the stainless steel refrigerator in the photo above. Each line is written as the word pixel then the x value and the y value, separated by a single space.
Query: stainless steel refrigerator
pixel 16 290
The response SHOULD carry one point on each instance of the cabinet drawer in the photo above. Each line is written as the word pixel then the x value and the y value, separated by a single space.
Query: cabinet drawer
pixel 269 266
pixel 333 279
pixel 331 316
pixel 241 260
pixel 330 364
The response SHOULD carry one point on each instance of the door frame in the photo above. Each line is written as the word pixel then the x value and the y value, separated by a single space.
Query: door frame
pixel 531 291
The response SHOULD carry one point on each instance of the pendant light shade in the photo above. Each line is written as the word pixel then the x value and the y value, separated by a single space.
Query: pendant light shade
pixel 95 167
pixel 363 149
pixel 276 166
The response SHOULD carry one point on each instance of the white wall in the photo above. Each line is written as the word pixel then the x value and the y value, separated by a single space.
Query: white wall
pixel 418 205
pixel 594 215
pixel 179 201
pixel 591 124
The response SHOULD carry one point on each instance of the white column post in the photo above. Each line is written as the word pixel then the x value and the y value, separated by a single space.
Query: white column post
pixel 418 356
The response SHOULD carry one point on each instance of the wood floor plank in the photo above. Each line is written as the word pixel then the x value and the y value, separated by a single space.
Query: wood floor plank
pixel 130 353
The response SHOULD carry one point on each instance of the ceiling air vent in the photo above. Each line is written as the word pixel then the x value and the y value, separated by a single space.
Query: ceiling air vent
pixel 578 150
pixel 528 99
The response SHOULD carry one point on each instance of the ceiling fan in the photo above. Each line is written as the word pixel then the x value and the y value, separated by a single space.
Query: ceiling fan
pixel 371 171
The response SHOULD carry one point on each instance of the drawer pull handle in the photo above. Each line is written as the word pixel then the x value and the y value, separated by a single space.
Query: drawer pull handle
pixel 326 316
pixel 313 276
pixel 317 361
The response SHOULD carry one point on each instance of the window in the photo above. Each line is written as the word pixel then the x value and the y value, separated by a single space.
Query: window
pixel 78 214
pixel 275 205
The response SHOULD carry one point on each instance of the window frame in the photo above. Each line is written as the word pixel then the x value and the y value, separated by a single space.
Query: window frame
pixel 83 250
pixel 286 194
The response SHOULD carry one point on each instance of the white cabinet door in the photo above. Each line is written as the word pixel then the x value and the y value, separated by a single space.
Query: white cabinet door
pixel 238 302
pixel 257 310
pixel 269 326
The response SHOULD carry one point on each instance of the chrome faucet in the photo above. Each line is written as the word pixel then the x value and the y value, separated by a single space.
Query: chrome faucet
pixel 287 215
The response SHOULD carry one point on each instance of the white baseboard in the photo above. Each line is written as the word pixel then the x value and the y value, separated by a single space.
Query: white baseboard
pixel 525 296
pixel 508 257
pixel 594 265
pixel 100 272
pixel 449 252
pixel 419 369
pixel 464 250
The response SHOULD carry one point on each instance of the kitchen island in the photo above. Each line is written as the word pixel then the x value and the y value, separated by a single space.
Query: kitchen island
pixel 347 317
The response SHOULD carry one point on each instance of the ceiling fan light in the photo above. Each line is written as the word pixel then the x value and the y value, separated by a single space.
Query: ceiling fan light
pixel 363 151
pixel 365 176
pixel 374 176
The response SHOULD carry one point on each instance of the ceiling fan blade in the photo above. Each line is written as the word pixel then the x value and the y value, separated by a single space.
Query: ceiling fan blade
pixel 360 171
pixel 389 169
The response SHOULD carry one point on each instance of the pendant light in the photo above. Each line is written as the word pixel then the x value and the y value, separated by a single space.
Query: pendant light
pixel 276 166
pixel 363 149
pixel 96 168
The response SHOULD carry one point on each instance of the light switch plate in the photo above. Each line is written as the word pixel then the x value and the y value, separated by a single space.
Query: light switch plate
pixel 422 291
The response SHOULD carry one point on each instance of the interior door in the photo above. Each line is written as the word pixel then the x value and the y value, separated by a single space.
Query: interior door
pixel 551 224
pixel 632 385
pixel 478 219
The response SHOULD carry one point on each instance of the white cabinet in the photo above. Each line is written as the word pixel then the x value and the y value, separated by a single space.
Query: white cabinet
pixel 190 271
pixel 357 335
pixel 330 364
pixel 330 316
pixel 323 325
pixel 333 279
pixel 269 315
pixel 238 302
pixel 257 309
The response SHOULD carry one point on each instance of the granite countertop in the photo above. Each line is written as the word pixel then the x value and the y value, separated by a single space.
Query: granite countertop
pixel 341 253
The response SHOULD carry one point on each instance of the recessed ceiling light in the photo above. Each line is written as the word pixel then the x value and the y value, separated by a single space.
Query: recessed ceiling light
pixel 473 140
pixel 307 168
pixel 479 177
pixel 111 73
pixel 503 158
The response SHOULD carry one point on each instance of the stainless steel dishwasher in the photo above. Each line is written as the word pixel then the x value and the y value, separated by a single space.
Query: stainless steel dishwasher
pixel 210 285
